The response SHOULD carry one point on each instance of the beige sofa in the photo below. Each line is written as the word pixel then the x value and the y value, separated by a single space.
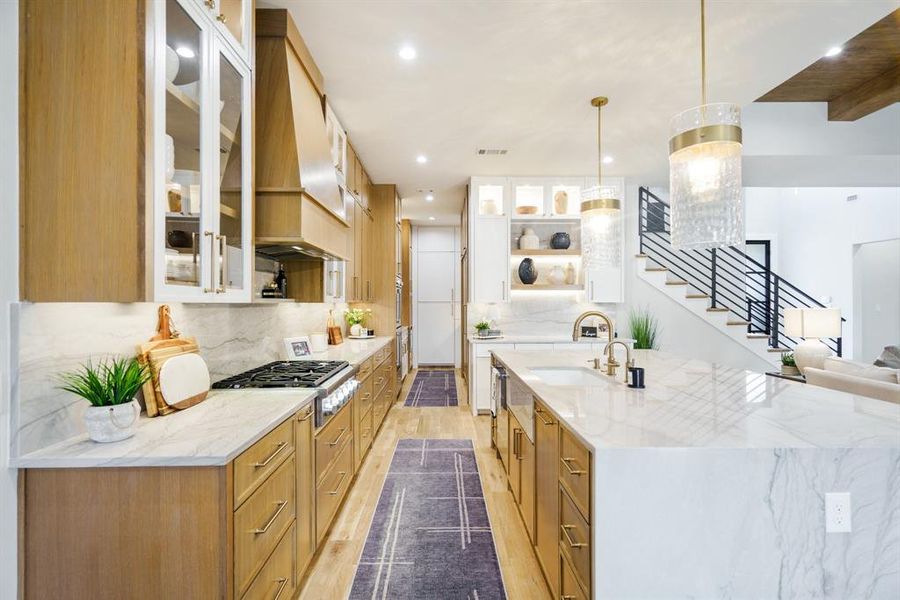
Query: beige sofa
pixel 857 378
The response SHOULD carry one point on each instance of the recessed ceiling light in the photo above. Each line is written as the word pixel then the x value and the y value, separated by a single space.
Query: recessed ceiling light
pixel 429 197
pixel 421 159
pixel 607 160
pixel 431 218
pixel 833 51
pixel 407 52
pixel 184 52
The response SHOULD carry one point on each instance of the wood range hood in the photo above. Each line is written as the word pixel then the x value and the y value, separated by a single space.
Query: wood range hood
pixel 299 208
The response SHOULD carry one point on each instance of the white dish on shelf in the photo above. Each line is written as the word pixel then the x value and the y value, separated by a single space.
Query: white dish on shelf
pixel 361 337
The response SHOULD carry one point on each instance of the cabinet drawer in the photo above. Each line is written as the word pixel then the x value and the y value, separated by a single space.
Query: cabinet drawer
pixel 575 538
pixel 331 491
pixel 260 459
pixel 570 589
pixel 378 412
pixel 275 581
pixel 365 369
pixel 380 355
pixel 261 521
pixel 575 471
pixel 366 433
pixel 380 378
pixel 365 396
pixel 331 440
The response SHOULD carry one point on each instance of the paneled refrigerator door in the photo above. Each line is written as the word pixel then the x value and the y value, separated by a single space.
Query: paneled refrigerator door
pixel 180 185
pixel 231 209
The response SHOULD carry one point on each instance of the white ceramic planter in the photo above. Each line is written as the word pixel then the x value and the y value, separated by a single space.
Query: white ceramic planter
pixel 112 423
pixel 356 330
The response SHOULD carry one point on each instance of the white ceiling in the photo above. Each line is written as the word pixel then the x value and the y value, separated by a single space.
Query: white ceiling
pixel 519 76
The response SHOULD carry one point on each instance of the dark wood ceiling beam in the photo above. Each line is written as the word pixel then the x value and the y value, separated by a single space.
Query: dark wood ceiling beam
pixel 872 95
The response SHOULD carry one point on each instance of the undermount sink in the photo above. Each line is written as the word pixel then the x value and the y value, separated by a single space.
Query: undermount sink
pixel 568 375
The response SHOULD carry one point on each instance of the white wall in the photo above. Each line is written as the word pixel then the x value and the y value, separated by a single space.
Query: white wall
pixel 814 231
pixel 876 298
pixel 9 289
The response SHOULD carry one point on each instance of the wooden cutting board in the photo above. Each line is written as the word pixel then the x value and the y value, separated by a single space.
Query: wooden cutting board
pixel 154 354
pixel 184 380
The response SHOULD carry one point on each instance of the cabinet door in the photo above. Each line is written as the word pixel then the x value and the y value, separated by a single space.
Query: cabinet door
pixel 546 521
pixel 368 256
pixel 182 183
pixel 490 260
pixel 234 21
pixel 482 387
pixel 603 284
pixel 526 487
pixel 232 209
pixel 306 488
pixel 515 457
pixel 359 218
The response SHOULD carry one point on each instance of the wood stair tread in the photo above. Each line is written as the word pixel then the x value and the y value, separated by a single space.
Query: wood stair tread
pixel 782 350
pixel 641 256
pixel 656 269
pixel 757 336
pixel 676 283
pixel 697 296
pixel 738 322
pixel 716 309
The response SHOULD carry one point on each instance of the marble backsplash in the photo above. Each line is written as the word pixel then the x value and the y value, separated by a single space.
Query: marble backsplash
pixel 55 337
pixel 549 315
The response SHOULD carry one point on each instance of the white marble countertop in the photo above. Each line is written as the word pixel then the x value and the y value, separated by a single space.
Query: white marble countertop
pixel 211 433
pixel 540 339
pixel 694 404
pixel 353 351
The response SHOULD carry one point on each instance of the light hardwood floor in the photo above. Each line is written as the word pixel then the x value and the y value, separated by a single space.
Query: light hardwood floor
pixel 332 574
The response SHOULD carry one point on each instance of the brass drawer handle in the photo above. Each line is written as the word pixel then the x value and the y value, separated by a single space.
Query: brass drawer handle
pixel 271 520
pixel 338 438
pixel 572 543
pixel 338 486
pixel 540 414
pixel 281 446
pixel 367 395
pixel 575 472
pixel 379 381
pixel 307 416
pixel 210 3
pixel 567 597
pixel 222 18
pixel 283 582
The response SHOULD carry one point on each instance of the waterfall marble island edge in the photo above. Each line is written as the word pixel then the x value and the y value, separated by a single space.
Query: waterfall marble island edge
pixel 734 466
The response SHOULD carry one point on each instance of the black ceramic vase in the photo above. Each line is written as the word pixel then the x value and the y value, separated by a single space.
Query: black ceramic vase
pixel 527 271
pixel 560 241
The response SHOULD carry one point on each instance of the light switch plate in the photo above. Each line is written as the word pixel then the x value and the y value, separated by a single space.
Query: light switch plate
pixel 838 513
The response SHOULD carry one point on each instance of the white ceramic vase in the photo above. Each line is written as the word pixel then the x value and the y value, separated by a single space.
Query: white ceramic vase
pixel 529 240
pixel 356 330
pixel 557 276
pixel 112 423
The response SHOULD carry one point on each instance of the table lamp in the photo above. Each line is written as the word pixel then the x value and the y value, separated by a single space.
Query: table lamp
pixel 812 324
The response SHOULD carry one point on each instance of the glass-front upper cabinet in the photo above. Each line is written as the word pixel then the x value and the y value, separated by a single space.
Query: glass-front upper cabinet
pixel 233 19
pixel 489 196
pixel 201 157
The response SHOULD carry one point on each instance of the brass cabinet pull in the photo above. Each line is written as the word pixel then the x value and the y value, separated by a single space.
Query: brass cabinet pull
pixel 572 543
pixel 283 582
pixel 338 438
pixel 212 253
pixel 223 266
pixel 271 520
pixel 306 417
pixel 221 18
pixel 338 486
pixel 540 414
pixel 281 446
pixel 567 597
pixel 569 468
pixel 210 3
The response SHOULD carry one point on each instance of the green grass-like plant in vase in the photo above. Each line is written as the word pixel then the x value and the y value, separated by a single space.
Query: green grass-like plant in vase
pixel 644 329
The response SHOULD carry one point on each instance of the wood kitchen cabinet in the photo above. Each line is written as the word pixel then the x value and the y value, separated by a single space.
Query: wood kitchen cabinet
pixel 546 534
pixel 521 473
pixel 306 500
pixel 156 203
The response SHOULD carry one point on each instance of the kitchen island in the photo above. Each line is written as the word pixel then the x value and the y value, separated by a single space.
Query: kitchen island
pixel 712 480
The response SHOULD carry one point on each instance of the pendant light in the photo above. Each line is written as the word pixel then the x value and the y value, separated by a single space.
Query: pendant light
pixel 705 188
pixel 601 238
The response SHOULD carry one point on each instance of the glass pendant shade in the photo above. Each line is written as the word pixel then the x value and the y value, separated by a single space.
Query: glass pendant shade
pixel 705 188
pixel 601 230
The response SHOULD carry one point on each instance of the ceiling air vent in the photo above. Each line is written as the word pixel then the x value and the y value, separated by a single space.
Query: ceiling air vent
pixel 491 152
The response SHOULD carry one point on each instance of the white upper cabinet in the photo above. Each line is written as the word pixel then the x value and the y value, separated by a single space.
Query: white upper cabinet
pixel 201 160
pixel 489 205
pixel 490 196
pixel 337 137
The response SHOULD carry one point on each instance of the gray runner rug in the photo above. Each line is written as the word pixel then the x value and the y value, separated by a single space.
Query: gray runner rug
pixel 433 387
pixel 430 536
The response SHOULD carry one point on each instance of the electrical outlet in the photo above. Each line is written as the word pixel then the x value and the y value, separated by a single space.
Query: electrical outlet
pixel 837 513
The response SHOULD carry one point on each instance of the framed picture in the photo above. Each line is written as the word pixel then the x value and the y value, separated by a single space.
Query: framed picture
pixel 297 347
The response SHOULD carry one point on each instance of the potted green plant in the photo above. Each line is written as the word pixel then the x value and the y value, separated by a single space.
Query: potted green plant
pixel 482 327
pixel 110 387
pixel 644 329
pixel 355 318
pixel 788 366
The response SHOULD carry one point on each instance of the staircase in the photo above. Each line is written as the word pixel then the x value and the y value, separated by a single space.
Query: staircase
pixel 727 288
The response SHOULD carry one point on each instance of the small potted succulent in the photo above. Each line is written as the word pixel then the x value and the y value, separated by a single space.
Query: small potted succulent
pixel 110 387
pixel 482 327
pixel 355 318
pixel 788 366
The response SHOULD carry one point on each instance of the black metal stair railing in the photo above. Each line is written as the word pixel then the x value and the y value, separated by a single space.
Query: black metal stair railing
pixel 731 279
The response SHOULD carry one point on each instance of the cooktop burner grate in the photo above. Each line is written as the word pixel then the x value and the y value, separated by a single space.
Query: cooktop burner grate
pixel 284 374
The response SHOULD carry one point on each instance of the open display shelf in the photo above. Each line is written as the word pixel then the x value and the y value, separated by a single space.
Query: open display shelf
pixel 546 252
pixel 547 287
